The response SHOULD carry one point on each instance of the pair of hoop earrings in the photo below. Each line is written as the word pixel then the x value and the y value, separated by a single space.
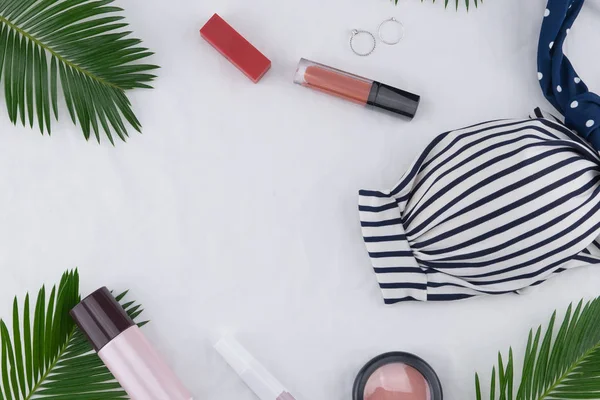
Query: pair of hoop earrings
pixel 388 41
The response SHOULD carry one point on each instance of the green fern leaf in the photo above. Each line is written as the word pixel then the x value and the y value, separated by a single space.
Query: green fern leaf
pixel 556 365
pixel 50 358
pixel 79 47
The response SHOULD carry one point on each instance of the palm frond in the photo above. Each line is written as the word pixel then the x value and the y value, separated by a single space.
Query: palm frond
pixel 458 2
pixel 47 357
pixel 557 365
pixel 79 46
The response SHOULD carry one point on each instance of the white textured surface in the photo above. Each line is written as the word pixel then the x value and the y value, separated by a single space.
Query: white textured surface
pixel 236 209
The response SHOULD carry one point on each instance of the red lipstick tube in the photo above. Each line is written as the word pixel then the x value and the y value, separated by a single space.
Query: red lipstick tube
pixel 357 89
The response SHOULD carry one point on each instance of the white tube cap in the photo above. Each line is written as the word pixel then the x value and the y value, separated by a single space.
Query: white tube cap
pixel 262 383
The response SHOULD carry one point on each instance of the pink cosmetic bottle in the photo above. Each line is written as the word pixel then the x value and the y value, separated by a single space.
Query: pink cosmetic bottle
pixel 125 350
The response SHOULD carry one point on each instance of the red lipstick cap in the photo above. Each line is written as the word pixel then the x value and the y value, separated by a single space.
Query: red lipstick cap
pixel 235 48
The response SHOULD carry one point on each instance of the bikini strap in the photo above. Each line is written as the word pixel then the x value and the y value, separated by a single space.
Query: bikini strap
pixel 559 81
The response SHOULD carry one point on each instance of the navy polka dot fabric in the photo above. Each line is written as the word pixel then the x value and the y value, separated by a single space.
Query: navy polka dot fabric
pixel 560 83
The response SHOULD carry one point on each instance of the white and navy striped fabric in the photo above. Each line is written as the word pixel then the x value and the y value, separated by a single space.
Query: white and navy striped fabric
pixel 489 209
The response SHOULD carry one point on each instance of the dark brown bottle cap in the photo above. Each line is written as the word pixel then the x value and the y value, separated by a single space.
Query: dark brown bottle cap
pixel 101 318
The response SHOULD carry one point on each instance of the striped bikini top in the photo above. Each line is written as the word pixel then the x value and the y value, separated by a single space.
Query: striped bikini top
pixel 499 206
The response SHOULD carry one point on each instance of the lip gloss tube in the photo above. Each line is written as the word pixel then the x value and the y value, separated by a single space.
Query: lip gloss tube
pixel 124 349
pixel 356 89
pixel 258 379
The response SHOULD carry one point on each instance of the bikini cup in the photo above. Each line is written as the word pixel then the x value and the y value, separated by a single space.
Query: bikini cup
pixel 500 206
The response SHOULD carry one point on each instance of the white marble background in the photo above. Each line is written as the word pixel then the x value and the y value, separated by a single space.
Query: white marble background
pixel 236 209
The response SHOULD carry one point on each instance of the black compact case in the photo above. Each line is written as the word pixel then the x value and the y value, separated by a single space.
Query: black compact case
pixel 435 387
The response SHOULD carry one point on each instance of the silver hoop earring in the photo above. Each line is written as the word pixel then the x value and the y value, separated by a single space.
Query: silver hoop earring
pixel 400 31
pixel 356 32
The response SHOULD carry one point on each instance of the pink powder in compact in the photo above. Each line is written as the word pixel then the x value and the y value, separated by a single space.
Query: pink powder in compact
pixel 397 381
